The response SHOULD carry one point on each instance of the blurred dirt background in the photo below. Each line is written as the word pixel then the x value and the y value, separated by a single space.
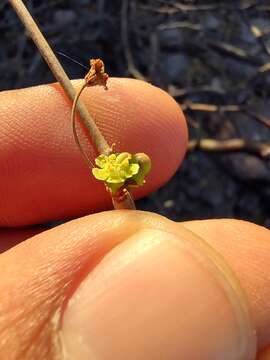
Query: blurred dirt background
pixel 213 57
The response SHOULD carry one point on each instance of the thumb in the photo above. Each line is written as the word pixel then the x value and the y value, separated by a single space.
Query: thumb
pixel 121 285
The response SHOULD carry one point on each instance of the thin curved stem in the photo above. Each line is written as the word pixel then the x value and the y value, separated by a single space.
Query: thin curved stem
pixel 73 120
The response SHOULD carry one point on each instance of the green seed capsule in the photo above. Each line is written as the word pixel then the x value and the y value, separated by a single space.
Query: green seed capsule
pixel 144 162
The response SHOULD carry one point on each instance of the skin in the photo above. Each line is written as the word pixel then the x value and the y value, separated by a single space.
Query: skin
pixel 120 284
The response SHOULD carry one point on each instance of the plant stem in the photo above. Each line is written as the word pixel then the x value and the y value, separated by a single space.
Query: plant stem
pixel 32 28
pixel 123 201
pixel 101 145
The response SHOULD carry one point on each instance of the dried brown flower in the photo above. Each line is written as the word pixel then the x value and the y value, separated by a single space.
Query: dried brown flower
pixel 96 75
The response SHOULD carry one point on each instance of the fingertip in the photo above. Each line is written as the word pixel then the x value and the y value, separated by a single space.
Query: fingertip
pixel 246 248
pixel 131 270
pixel 12 237
pixel 167 291
pixel 43 174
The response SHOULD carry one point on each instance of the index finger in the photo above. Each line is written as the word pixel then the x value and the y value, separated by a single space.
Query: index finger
pixel 43 176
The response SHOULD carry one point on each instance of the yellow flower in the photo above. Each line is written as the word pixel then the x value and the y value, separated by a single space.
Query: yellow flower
pixel 115 169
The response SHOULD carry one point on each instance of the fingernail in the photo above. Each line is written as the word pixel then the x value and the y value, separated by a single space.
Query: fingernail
pixel 156 296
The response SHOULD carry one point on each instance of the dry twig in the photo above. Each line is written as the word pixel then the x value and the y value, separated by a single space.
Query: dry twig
pixel 124 34
pixel 209 107
pixel 234 52
pixel 184 8
pixel 223 109
pixel 211 145
pixel 256 32
pixel 180 25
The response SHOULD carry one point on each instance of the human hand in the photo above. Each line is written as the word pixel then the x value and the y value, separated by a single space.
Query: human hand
pixel 120 284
